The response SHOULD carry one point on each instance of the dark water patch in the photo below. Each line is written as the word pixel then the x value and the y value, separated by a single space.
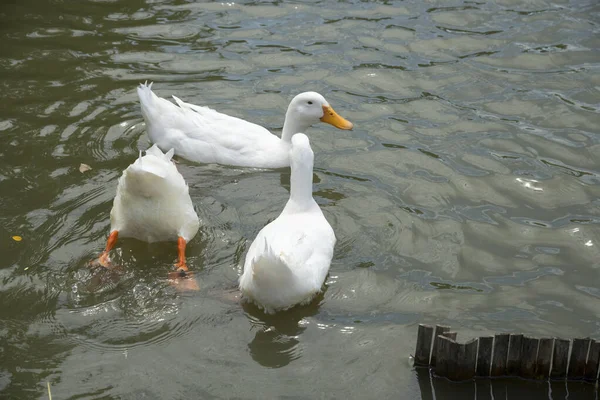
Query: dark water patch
pixel 520 278
pixel 446 9
pixel 478 54
pixel 452 286
pixel 468 32
pixel 342 175
pixel 393 146
pixel 364 19
pixel 381 66
pixel 568 169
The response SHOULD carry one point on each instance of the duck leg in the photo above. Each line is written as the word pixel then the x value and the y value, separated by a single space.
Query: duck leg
pixel 181 265
pixel 182 277
pixel 110 243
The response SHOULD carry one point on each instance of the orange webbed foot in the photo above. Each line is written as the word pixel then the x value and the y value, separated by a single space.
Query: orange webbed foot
pixel 104 259
pixel 183 279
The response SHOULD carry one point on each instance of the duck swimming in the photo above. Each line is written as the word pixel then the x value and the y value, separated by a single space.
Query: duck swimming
pixel 203 135
pixel 289 259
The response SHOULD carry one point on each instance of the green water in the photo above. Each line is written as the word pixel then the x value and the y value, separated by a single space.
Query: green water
pixel 467 194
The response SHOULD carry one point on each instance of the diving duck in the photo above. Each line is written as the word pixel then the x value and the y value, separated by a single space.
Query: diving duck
pixel 203 135
pixel 153 204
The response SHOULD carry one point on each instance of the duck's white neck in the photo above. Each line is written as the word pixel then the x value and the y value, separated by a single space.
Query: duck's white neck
pixel 292 125
pixel 301 184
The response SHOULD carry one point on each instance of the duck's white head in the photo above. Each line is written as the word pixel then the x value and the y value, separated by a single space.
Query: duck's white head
pixel 307 109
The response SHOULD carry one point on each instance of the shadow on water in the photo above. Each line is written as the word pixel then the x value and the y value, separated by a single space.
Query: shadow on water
pixel 276 342
pixel 433 387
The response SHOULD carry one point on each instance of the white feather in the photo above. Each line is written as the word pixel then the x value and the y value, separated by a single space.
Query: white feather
pixel 289 259
pixel 153 202
pixel 204 135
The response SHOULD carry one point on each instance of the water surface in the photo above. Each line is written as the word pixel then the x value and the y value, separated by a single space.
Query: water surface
pixel 468 193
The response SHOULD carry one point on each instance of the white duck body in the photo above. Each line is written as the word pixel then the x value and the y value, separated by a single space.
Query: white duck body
pixel 153 202
pixel 290 257
pixel 203 135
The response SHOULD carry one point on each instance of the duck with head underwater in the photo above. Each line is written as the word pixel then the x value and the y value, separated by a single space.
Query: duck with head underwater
pixel 153 204
pixel 204 135
pixel 289 259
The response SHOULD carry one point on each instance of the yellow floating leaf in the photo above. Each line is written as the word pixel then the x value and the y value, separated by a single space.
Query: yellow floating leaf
pixel 17 238
pixel 84 167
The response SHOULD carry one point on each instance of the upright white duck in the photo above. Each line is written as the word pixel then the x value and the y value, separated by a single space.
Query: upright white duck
pixel 288 261
pixel 153 204
pixel 204 135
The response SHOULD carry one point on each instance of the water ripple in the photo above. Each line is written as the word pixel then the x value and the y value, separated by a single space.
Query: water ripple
pixel 467 192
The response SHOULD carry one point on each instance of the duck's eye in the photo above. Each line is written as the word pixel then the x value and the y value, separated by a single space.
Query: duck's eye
pixel 310 102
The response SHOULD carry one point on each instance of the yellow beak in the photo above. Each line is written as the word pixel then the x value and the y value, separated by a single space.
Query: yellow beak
pixel 332 118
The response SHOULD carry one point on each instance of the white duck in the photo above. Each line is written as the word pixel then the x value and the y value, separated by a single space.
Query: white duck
pixel 153 204
pixel 288 261
pixel 204 135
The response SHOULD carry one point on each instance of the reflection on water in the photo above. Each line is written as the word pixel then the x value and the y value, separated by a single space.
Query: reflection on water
pixel 276 342
pixel 432 387
pixel 468 193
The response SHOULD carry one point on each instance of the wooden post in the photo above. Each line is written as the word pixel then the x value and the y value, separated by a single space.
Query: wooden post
pixel 439 330
pixel 559 362
pixel 578 358
pixel 506 355
pixel 467 357
pixel 442 356
pixel 544 358
pixel 500 354
pixel 591 367
pixel 454 350
pixel 529 350
pixel 423 350
pixel 513 362
pixel 484 355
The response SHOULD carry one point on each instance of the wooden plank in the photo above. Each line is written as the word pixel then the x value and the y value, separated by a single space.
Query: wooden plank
pixel 529 349
pixel 454 351
pixel 544 358
pixel 500 354
pixel 513 361
pixel 560 359
pixel 466 360
pixel 578 358
pixel 442 356
pixel 484 356
pixel 450 335
pixel 423 349
pixel 591 367
pixel 439 330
